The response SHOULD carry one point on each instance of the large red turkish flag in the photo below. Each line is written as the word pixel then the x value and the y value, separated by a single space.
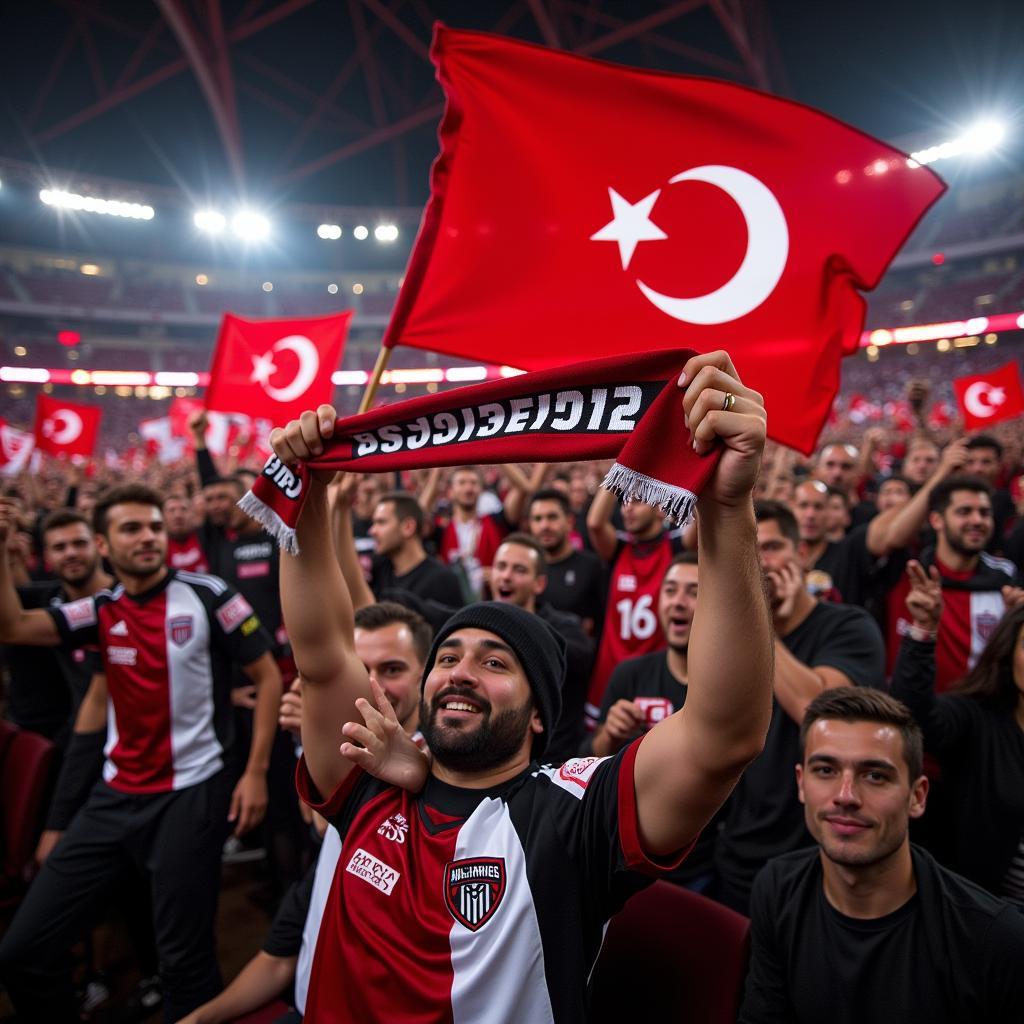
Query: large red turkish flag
pixel 274 369
pixel 66 428
pixel 988 398
pixel 580 209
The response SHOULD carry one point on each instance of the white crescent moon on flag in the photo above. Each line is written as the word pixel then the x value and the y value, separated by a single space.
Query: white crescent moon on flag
pixel 981 400
pixel 763 263
pixel 71 429
pixel 309 366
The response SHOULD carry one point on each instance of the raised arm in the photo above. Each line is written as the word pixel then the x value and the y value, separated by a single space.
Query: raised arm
pixel 687 765
pixel 944 719
pixel 318 612
pixel 898 527
pixel 18 626
pixel 599 524
pixel 340 494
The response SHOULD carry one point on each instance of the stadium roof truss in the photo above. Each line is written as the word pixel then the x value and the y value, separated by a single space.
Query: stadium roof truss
pixel 382 87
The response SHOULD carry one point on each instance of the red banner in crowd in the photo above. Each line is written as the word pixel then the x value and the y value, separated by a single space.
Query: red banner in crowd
pixel 274 369
pixel 992 397
pixel 582 209
pixel 16 448
pixel 66 428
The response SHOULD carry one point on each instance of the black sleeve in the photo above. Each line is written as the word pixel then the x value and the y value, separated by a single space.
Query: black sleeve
pixel 944 720
pixel 79 772
pixel 854 646
pixel 599 824
pixel 208 472
pixel 236 628
pixel 77 622
pixel 765 1000
pixel 285 936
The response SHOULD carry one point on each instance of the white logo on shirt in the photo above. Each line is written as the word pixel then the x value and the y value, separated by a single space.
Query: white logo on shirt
pixel 367 867
pixel 79 613
pixel 625 583
pixel 395 828
pixel 122 655
pixel 233 613
pixel 119 629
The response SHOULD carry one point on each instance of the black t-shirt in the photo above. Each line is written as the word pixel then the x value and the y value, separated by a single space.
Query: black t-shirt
pixel 647 681
pixel 430 579
pixel 765 817
pixel 577 584
pixel 848 565
pixel 47 685
pixel 951 955
pixel 569 730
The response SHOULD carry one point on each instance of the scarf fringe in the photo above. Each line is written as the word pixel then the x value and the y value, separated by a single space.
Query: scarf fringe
pixel 677 503
pixel 270 521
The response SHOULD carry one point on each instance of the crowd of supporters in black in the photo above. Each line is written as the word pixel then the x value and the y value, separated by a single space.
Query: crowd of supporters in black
pixel 892 561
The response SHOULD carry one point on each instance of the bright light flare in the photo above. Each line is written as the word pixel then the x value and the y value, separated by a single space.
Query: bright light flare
pixel 329 231
pixel 978 140
pixel 92 204
pixel 386 232
pixel 250 226
pixel 211 221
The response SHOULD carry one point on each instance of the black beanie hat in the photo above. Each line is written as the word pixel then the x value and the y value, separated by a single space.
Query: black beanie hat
pixel 540 650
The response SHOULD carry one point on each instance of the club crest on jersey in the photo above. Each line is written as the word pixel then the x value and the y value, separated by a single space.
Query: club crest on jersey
pixel 473 888
pixel 180 629
pixel 985 623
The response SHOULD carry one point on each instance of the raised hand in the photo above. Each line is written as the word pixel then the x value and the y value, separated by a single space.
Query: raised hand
pixel 303 439
pixel 924 602
pixel 382 747
pixel 739 425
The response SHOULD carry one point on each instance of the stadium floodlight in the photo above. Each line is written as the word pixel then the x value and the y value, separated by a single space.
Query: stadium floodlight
pixel 93 204
pixel 329 231
pixel 385 232
pixel 210 221
pixel 361 231
pixel 250 225
pixel 979 139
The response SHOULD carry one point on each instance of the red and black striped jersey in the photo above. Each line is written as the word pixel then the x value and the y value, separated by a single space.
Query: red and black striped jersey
pixel 468 905
pixel 167 656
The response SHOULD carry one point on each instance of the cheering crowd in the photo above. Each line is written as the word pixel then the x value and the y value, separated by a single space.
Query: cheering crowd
pixel 509 703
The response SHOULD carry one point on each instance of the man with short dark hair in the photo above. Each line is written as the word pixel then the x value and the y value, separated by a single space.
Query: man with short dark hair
pixel 819 645
pixel 400 559
pixel 184 545
pixel 975 584
pixel 576 579
pixel 985 460
pixel 866 927
pixel 519 577
pixel 167 639
pixel 47 687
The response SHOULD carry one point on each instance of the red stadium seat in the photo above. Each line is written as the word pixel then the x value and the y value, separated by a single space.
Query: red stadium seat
pixel 672 955
pixel 25 767
pixel 265 1014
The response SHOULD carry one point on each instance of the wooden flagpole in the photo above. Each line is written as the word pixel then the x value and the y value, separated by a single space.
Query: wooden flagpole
pixel 378 371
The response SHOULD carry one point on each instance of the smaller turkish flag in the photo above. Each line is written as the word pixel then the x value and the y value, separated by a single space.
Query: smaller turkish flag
pixel 275 369
pixel 992 397
pixel 66 428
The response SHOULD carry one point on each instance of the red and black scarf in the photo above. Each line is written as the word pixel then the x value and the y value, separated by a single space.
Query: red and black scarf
pixel 626 408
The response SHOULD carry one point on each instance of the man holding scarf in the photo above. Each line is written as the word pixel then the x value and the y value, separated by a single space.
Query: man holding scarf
pixel 493 904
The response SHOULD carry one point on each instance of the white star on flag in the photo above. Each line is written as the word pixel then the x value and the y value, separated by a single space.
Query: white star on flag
pixel 263 368
pixel 630 224
pixel 997 396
